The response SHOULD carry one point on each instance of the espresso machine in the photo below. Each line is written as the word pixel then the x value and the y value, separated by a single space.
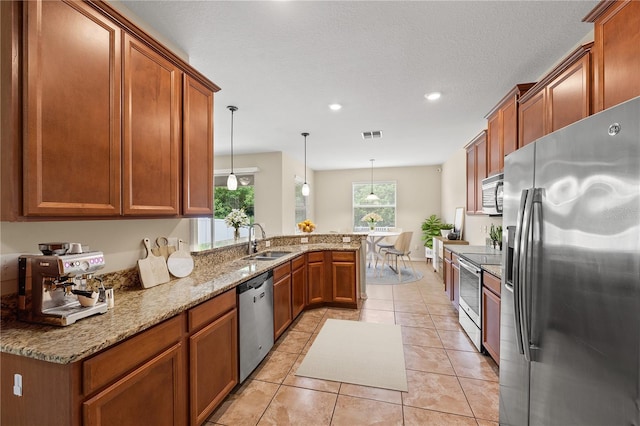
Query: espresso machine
pixel 47 285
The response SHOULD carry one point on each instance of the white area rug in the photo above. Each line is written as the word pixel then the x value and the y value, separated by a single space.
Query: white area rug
pixel 389 277
pixel 355 352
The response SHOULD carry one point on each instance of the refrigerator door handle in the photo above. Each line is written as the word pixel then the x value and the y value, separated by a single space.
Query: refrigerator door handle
pixel 516 269
pixel 534 240
pixel 524 273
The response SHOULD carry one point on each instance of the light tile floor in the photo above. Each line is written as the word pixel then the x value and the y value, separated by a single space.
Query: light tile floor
pixel 449 382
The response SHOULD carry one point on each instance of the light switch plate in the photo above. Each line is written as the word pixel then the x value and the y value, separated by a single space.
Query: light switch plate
pixel 304 240
pixel 346 239
pixel 267 243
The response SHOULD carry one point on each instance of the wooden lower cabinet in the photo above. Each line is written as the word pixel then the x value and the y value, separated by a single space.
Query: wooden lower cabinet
pixel 152 394
pixel 298 285
pixel 344 270
pixel 282 316
pixel 213 365
pixel 316 278
pixel 455 281
pixel 491 316
pixel 448 278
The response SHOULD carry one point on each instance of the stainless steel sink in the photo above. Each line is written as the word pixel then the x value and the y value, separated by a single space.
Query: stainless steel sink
pixel 269 255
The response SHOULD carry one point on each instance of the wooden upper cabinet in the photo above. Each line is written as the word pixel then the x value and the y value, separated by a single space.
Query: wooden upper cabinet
pixel 152 132
pixel 616 52
pixel 502 129
pixel 476 171
pixel 71 159
pixel 560 98
pixel 197 149
pixel 531 125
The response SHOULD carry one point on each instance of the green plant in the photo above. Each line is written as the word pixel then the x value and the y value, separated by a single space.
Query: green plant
pixel 431 228
pixel 495 233
pixel 446 226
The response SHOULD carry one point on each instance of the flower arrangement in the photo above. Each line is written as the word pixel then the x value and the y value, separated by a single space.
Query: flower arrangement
pixel 306 226
pixel 371 219
pixel 236 219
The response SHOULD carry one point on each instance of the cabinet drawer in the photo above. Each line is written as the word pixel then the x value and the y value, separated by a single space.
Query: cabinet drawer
pixel 491 282
pixel 455 259
pixel 281 271
pixel 108 366
pixel 297 263
pixel 211 309
pixel 315 256
pixel 343 256
pixel 447 254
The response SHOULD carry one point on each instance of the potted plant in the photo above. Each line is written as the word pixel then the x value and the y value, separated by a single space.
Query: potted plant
pixel 495 233
pixel 431 228
pixel 445 229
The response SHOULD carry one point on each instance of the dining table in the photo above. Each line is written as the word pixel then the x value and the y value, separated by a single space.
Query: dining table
pixel 373 238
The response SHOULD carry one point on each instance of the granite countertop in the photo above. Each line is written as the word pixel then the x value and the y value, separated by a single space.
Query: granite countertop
pixel 139 309
pixel 492 269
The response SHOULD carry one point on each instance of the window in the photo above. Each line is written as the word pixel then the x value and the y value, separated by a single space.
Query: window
pixel 301 202
pixel 385 206
pixel 207 232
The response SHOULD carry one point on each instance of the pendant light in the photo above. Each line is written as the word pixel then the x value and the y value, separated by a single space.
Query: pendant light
pixel 305 185
pixel 372 196
pixel 232 181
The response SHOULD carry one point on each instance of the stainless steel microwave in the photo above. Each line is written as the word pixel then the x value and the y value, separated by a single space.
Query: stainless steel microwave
pixel 492 195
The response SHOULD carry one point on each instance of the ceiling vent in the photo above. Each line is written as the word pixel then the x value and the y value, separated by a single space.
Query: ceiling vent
pixel 374 134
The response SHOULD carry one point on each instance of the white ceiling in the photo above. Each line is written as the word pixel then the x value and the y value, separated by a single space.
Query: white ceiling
pixel 283 62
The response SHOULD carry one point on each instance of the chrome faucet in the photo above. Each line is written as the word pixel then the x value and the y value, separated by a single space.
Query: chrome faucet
pixel 253 242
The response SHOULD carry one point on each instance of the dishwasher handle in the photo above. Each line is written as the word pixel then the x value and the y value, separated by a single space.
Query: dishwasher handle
pixel 254 283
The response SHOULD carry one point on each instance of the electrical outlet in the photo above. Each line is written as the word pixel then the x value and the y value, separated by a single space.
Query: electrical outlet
pixel 17 384
pixel 304 240
pixel 346 239
pixel 267 243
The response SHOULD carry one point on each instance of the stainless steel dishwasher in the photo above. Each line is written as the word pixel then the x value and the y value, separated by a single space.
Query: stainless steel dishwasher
pixel 255 323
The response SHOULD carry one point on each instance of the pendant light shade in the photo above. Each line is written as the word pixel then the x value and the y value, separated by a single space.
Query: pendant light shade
pixel 372 196
pixel 232 181
pixel 305 186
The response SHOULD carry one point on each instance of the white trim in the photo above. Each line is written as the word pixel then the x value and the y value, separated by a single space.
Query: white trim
pixel 237 171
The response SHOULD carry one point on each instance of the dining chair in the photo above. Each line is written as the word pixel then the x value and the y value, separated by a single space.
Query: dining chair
pixel 402 250
pixel 388 242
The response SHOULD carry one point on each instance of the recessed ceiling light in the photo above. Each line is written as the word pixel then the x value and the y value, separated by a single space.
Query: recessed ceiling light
pixel 433 96
pixel 335 107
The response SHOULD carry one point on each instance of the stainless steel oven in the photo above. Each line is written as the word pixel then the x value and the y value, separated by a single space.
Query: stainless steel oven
pixel 470 315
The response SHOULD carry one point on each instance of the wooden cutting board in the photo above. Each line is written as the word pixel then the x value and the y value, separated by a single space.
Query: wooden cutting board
pixel 152 269
pixel 163 249
pixel 180 263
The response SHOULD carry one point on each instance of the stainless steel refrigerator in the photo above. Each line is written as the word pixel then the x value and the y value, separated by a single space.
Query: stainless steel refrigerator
pixel 570 313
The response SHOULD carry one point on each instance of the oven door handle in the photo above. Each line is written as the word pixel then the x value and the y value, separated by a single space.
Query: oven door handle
pixel 469 267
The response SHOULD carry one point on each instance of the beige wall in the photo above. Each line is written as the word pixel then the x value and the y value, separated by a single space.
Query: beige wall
pixel 417 197
pixel 454 194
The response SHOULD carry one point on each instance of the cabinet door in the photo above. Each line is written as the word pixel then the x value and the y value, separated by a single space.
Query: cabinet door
pixel 448 278
pixel 481 171
pixel 152 117
pixel 197 149
pixel 71 159
pixel 344 281
pixel 213 365
pixel 509 131
pixel 471 179
pixel 491 323
pixel 153 394
pixel 616 54
pixel 455 283
pixel 315 278
pixel 494 144
pixel 568 96
pixel 281 305
pixel 532 118
pixel 299 285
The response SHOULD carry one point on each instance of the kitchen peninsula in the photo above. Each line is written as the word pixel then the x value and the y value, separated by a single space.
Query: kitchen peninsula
pixel 110 363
